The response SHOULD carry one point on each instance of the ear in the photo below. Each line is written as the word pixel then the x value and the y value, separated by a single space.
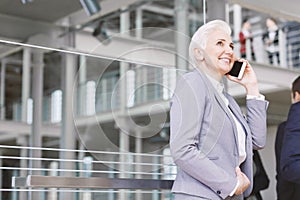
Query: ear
pixel 297 97
pixel 198 54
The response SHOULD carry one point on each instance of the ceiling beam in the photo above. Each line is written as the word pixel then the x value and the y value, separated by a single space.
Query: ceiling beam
pixel 288 9
pixel 80 18
pixel 20 28
pixel 12 129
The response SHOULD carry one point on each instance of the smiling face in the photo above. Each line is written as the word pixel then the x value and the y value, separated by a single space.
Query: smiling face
pixel 218 54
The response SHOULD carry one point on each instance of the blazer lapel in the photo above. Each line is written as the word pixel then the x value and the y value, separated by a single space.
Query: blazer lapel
pixel 238 114
pixel 229 115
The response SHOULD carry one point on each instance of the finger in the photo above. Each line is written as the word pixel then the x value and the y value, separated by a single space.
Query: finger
pixel 232 78
pixel 238 170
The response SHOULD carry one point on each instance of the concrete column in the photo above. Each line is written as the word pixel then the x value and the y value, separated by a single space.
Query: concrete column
pixel 216 10
pixel 204 11
pixel 182 37
pixel 237 20
pixel 25 81
pixel 237 24
pixel 81 106
pixel 68 140
pixel 124 137
pixel 2 90
pixel 139 23
pixel 37 96
pixel 37 91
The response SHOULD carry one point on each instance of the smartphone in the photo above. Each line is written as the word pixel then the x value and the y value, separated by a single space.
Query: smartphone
pixel 238 69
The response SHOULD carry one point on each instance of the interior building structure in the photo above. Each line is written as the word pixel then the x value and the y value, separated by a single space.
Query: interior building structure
pixel 87 84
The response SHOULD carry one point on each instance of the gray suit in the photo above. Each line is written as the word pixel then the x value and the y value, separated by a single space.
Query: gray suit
pixel 204 143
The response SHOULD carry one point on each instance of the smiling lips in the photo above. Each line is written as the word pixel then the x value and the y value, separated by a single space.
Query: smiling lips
pixel 226 60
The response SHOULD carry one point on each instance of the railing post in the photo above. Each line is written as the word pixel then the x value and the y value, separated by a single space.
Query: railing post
pixel 2 90
pixel 282 49
pixel 88 166
pixel 138 159
pixel 248 49
pixel 1 174
pixel 23 142
pixel 52 194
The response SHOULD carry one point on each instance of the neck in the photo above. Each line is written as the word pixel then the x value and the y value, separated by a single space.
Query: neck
pixel 213 74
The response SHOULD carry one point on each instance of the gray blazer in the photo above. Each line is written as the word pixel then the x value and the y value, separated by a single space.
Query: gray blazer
pixel 204 143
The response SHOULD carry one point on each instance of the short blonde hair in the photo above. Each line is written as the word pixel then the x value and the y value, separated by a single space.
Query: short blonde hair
pixel 200 37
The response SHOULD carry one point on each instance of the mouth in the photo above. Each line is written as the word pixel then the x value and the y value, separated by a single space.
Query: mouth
pixel 225 60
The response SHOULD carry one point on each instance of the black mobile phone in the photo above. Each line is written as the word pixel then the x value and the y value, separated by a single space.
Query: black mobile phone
pixel 238 69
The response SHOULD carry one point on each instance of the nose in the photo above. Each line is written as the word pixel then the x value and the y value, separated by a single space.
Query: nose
pixel 229 50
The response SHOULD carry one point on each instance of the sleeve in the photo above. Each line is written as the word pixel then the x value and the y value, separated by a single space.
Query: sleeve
pixel 187 111
pixel 257 121
pixel 278 145
pixel 290 154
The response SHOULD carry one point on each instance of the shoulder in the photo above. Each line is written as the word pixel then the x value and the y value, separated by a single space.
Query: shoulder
pixel 295 107
pixel 294 112
pixel 280 131
pixel 192 86
pixel 193 80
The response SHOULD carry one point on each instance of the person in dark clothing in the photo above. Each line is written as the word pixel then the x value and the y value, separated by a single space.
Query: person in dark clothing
pixel 271 40
pixel 286 150
pixel 261 180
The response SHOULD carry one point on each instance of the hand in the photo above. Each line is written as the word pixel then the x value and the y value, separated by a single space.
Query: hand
pixel 244 182
pixel 249 80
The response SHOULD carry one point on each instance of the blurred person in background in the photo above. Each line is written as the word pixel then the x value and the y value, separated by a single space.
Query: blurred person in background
pixel 287 150
pixel 271 40
pixel 244 35
pixel 261 180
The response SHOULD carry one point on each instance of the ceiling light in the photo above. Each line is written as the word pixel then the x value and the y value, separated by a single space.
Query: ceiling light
pixel 101 34
pixel 90 6
pixel 26 1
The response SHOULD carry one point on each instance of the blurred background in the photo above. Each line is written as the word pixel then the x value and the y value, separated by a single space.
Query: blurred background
pixel 85 86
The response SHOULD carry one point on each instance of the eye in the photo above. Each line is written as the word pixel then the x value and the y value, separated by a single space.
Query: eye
pixel 220 43
pixel 232 46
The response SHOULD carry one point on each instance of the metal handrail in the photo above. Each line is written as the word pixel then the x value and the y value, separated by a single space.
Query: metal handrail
pixel 34 181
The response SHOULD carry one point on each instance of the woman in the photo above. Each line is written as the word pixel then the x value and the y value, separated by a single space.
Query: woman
pixel 244 35
pixel 211 141
pixel 271 40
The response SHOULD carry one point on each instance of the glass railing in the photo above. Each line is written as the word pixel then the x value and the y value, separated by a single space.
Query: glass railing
pixel 88 174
